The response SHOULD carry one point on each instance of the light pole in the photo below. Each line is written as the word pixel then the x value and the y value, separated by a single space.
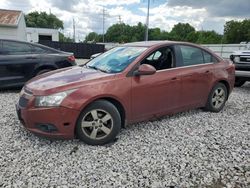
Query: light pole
pixel 147 22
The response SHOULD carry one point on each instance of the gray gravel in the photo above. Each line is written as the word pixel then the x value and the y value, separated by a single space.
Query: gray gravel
pixel 190 149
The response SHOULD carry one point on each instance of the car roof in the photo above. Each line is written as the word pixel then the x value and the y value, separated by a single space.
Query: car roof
pixel 34 44
pixel 157 43
pixel 160 43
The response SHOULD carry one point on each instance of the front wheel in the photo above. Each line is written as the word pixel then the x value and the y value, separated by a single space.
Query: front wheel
pixel 99 123
pixel 217 98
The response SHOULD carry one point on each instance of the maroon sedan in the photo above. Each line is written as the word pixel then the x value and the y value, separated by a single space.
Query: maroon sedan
pixel 130 83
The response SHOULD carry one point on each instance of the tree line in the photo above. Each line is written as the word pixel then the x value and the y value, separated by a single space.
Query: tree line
pixel 234 31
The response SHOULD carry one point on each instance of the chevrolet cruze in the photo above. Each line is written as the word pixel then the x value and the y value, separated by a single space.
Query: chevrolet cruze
pixel 130 83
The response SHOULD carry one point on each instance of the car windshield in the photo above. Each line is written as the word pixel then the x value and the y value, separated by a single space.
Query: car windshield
pixel 116 59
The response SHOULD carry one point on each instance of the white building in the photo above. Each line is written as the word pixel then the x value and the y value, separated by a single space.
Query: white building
pixel 12 25
pixel 36 34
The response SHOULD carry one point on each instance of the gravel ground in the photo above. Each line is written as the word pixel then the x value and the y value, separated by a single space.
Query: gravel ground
pixel 190 149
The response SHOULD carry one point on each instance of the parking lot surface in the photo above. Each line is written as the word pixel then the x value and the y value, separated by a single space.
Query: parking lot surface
pixel 194 148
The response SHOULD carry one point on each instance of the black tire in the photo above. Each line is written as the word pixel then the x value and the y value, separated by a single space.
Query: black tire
pixel 239 82
pixel 217 98
pixel 102 123
pixel 43 71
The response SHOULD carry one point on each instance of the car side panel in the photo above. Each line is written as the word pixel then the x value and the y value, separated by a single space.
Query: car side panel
pixel 118 89
pixel 155 95
pixel 15 70
pixel 196 82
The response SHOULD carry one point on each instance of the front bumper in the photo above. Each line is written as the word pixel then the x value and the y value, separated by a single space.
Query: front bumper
pixel 242 74
pixel 60 121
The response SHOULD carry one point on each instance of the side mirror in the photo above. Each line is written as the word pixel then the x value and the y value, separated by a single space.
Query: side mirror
pixel 231 57
pixel 145 69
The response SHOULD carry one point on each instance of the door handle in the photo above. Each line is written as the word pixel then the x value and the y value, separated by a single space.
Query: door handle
pixel 174 78
pixel 207 72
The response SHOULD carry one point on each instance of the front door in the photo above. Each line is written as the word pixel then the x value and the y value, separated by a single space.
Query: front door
pixel 157 94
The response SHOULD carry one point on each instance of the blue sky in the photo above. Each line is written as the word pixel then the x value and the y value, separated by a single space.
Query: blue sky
pixel 201 14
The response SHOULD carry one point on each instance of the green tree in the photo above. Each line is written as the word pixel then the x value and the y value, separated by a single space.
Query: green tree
pixel 119 33
pixel 138 32
pixel 63 38
pixel 43 20
pixel 208 37
pixel 154 34
pixel 93 36
pixel 237 31
pixel 181 31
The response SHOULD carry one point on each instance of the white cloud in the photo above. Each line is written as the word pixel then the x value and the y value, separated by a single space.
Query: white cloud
pixel 88 14
pixel 116 2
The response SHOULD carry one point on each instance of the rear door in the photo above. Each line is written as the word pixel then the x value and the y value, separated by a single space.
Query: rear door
pixel 196 69
pixel 17 63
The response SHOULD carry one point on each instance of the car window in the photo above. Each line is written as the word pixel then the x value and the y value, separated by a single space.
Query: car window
pixel 191 55
pixel 39 50
pixel 16 48
pixel 1 48
pixel 154 56
pixel 162 58
pixel 208 58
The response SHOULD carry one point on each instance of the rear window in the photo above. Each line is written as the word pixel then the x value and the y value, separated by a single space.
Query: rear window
pixel 191 55
pixel 195 56
pixel 39 50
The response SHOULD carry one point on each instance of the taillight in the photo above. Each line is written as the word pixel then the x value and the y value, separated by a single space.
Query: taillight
pixel 71 58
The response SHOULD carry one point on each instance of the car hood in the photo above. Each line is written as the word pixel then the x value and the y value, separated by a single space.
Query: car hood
pixel 65 79
pixel 242 52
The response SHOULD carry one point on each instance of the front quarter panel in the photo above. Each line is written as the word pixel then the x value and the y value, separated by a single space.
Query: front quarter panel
pixel 118 89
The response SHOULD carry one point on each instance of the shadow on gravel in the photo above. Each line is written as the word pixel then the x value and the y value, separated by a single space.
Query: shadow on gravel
pixel 10 90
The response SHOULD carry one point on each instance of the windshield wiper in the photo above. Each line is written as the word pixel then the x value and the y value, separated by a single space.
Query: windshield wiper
pixel 96 68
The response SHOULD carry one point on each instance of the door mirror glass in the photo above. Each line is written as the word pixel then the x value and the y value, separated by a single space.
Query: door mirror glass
pixel 145 69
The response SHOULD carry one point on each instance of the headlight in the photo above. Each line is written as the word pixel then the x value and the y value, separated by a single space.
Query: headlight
pixel 236 59
pixel 52 100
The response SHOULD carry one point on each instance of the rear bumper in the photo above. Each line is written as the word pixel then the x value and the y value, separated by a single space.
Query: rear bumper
pixel 61 120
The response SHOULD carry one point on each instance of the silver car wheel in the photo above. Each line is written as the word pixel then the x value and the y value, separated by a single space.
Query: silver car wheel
pixel 97 124
pixel 219 97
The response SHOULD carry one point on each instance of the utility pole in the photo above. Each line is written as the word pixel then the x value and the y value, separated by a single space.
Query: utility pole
pixel 120 19
pixel 74 31
pixel 147 22
pixel 103 25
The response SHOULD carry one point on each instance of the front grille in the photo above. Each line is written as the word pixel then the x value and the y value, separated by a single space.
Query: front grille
pixel 245 59
pixel 23 102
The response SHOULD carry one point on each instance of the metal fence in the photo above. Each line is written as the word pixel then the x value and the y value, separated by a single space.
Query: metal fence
pixel 225 50
pixel 80 50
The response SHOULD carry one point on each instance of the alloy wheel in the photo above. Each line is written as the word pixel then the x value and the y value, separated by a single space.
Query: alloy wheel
pixel 218 98
pixel 97 124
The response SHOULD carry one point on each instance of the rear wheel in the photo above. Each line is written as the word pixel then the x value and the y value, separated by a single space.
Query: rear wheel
pixel 99 123
pixel 217 98
pixel 239 82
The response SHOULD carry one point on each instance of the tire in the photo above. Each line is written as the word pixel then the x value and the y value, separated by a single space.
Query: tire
pixel 239 82
pixel 99 123
pixel 43 71
pixel 217 98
